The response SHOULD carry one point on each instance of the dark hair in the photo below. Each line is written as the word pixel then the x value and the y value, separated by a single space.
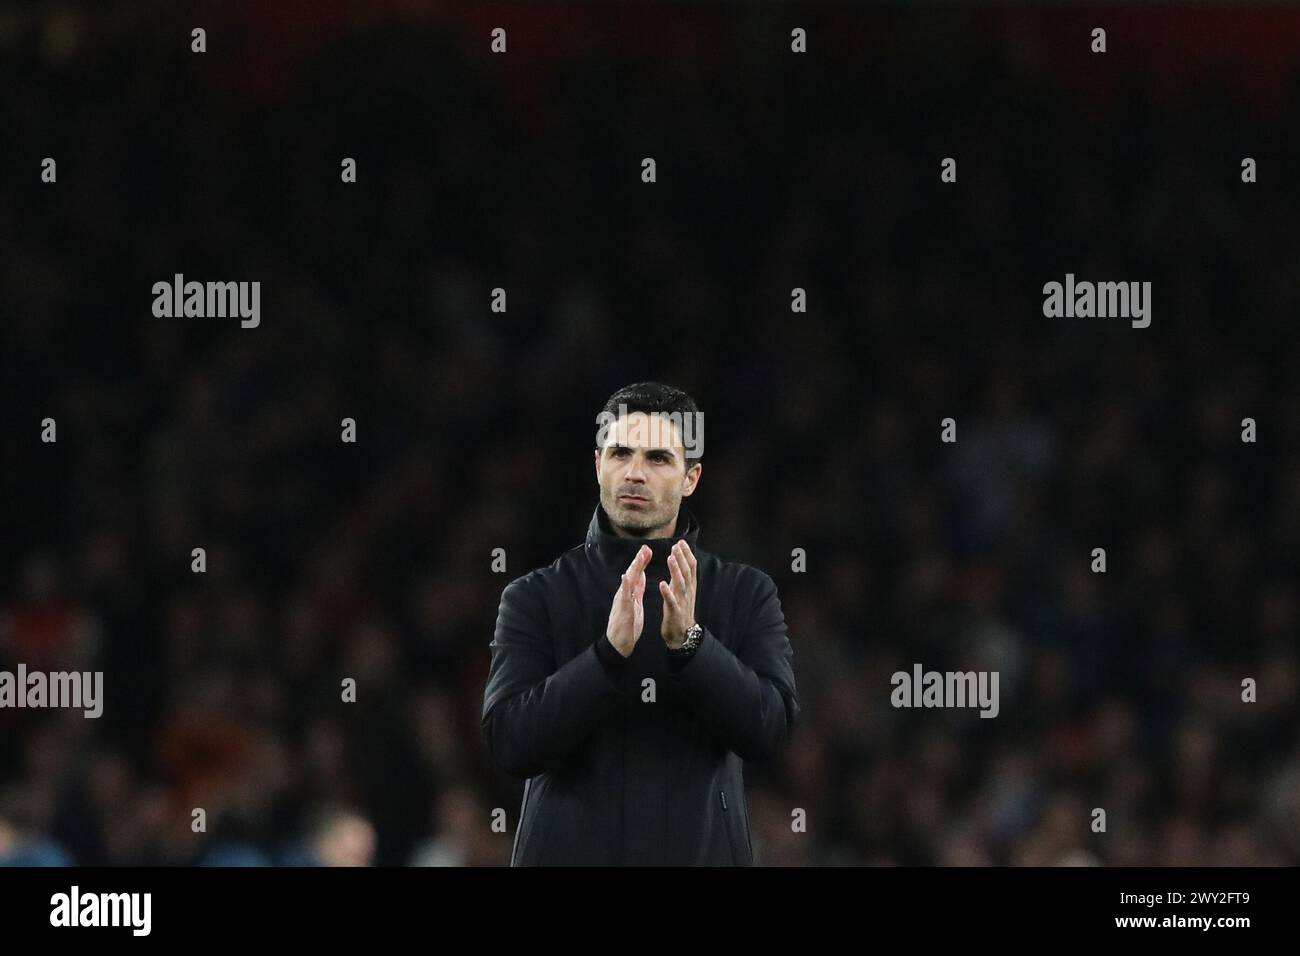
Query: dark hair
pixel 652 397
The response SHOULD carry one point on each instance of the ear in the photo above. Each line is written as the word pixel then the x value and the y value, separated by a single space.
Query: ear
pixel 692 479
pixel 597 459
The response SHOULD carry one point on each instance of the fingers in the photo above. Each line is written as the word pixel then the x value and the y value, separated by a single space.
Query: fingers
pixel 679 590
pixel 633 581
pixel 641 559
pixel 682 566
pixel 690 557
pixel 671 603
pixel 685 557
pixel 677 575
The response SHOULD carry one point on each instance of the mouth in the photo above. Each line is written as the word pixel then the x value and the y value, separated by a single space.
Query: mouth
pixel 633 500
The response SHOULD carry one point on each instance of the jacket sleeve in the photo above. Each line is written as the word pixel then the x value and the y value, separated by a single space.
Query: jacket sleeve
pixel 533 712
pixel 747 698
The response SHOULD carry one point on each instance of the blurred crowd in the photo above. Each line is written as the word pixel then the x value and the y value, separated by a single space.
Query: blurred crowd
pixel 225 738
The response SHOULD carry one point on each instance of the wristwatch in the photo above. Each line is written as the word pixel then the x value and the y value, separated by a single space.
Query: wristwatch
pixel 693 635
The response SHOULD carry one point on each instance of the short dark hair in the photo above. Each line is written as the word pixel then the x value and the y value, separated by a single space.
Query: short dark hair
pixel 650 398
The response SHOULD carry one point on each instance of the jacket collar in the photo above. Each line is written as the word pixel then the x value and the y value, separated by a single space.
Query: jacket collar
pixel 617 552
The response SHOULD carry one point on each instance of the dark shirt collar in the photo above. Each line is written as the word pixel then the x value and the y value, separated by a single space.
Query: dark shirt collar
pixel 617 552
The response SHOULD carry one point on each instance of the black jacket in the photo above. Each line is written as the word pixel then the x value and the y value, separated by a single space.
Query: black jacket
pixel 614 778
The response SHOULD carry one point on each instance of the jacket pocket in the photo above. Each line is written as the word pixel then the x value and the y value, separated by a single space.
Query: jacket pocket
pixel 533 826
pixel 520 831
pixel 734 828
pixel 749 833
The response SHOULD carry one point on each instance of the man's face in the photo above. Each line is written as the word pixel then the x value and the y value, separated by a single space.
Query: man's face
pixel 642 475
pixel 347 842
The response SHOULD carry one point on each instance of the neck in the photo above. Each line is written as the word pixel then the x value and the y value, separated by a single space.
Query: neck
pixel 614 548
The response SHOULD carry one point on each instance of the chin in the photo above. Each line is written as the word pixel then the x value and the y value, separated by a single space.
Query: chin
pixel 630 520
pixel 635 521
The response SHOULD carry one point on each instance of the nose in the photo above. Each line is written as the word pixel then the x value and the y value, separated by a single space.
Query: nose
pixel 635 470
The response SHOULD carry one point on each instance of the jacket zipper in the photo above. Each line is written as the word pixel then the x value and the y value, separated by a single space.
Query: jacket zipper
pixel 723 796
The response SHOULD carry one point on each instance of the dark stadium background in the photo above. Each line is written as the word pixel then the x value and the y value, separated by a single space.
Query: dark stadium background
pixel 372 560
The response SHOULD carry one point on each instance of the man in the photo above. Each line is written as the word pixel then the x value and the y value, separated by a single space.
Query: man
pixel 629 712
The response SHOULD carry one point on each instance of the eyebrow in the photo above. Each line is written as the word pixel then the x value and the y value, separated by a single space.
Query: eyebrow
pixel 649 451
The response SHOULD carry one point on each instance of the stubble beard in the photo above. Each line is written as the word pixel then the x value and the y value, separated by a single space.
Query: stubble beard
pixel 636 522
